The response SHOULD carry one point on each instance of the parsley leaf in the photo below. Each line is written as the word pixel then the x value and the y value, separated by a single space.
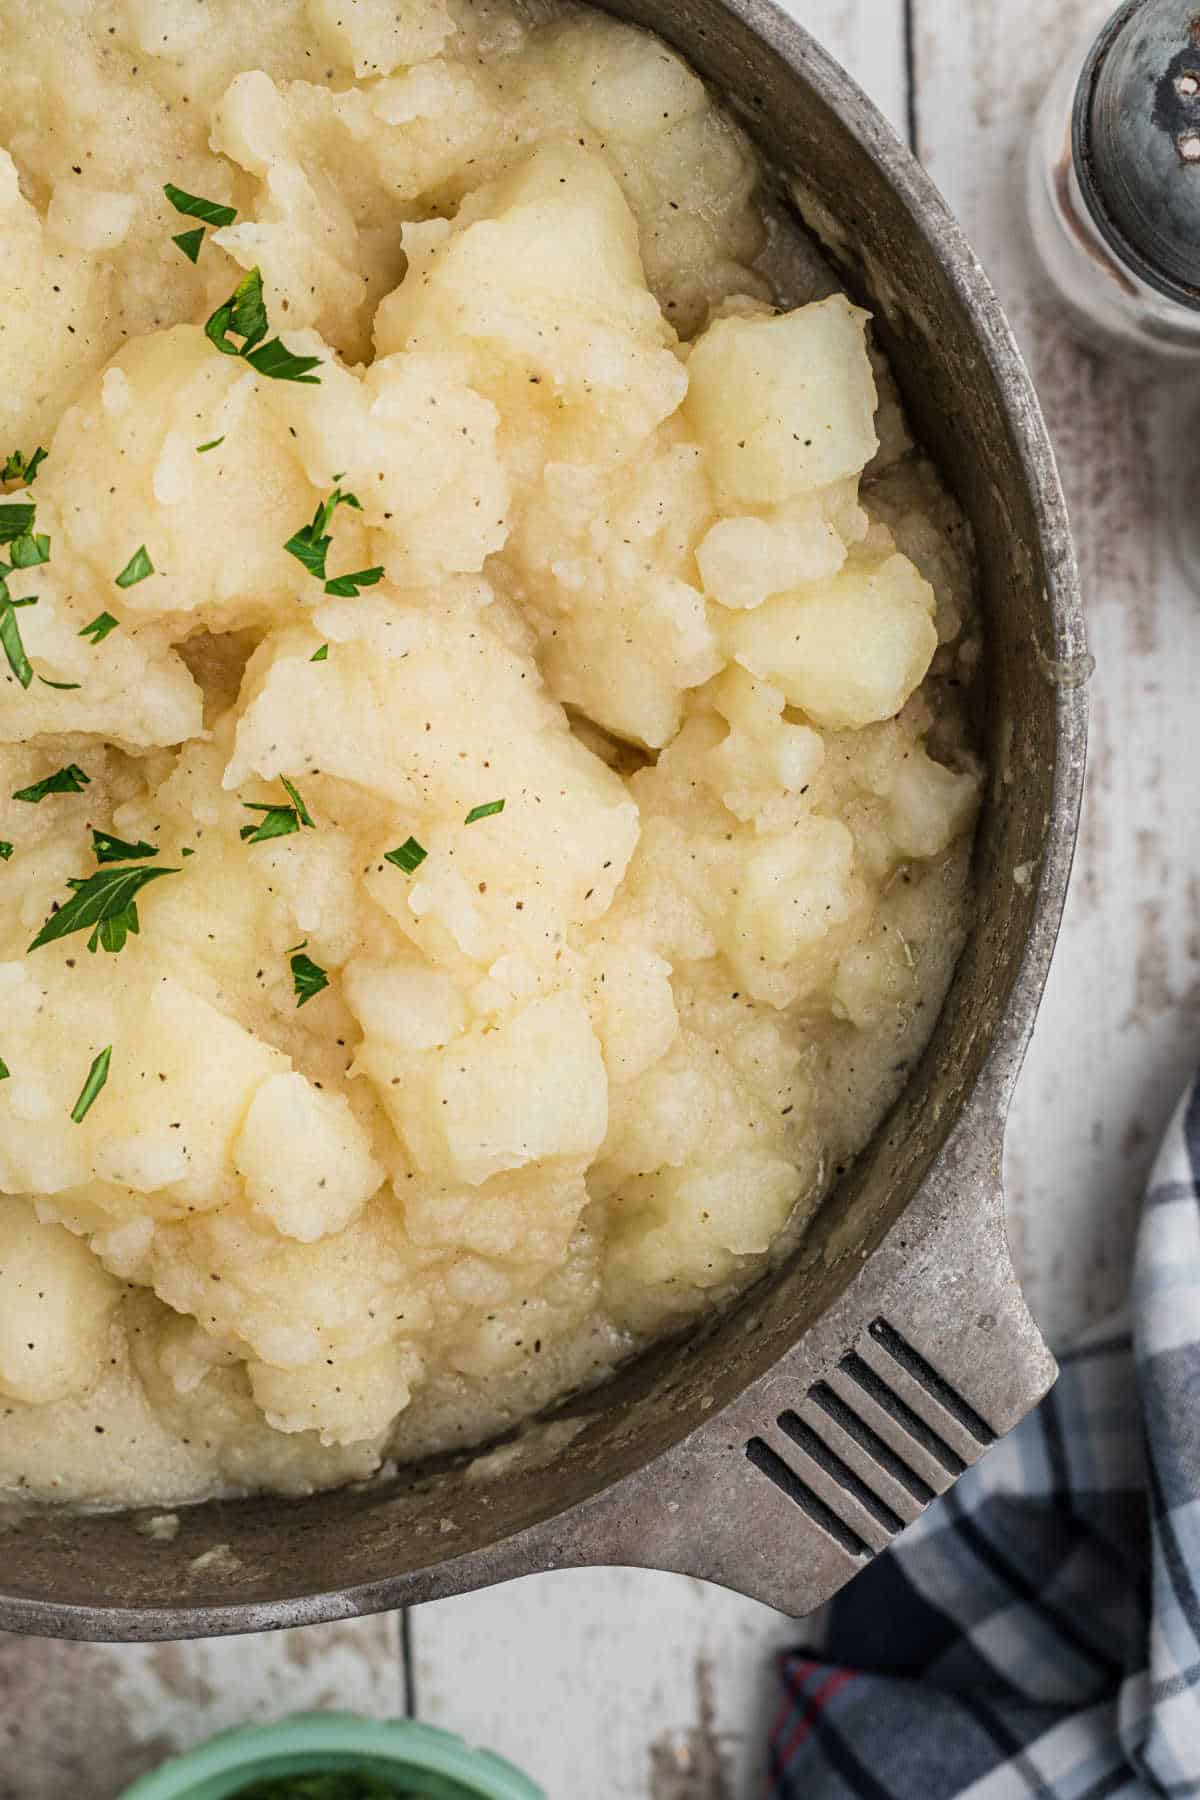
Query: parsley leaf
pixel 109 849
pixel 70 780
pixel 96 1078
pixel 321 655
pixel 310 545
pixel 245 315
pixel 280 821
pixel 189 242
pixel 4 1072
pixel 105 900
pixel 211 445
pixel 65 686
pixel 99 627
pixel 136 569
pixel 12 645
pixel 281 364
pixel 347 586
pixel 302 811
pixel 16 520
pixel 6 850
pixel 192 206
pixel 308 978
pixel 409 856
pixel 484 812
pixel 334 1784
pixel 30 550
pixel 16 468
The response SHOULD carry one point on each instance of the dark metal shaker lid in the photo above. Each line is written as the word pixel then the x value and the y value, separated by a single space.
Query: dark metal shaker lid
pixel 1136 141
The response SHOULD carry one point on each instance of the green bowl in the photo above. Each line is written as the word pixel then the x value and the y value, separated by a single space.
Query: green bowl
pixel 415 1759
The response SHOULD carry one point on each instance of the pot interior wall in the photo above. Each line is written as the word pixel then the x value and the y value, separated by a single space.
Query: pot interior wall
pixel 896 259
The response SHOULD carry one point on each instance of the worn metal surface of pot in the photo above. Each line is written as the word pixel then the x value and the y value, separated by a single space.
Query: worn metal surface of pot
pixel 778 1448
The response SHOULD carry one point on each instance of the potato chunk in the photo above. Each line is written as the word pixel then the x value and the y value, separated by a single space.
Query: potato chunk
pixel 305 1158
pixel 541 274
pixel 532 1086
pixel 930 805
pixel 56 1309
pixel 373 37
pixel 42 352
pixel 432 715
pixel 795 891
pixel 850 651
pixel 181 1078
pixel 214 525
pixel 785 403
pixel 342 1399
pixel 744 561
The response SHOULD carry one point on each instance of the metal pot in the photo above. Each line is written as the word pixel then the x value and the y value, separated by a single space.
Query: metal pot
pixel 777 1449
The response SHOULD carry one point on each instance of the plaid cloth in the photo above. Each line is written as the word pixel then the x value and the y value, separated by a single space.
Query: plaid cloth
pixel 1037 1630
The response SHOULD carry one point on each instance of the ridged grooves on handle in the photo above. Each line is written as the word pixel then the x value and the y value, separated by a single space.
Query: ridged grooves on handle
pixel 882 1481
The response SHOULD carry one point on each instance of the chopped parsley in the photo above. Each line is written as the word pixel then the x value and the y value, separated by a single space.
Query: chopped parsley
pixel 136 569
pixel 409 856
pixel 211 444
pixel 11 643
pixel 484 812
pixel 310 545
pixel 308 977
pixel 245 315
pixel 70 780
pixel 321 655
pixel 302 811
pixel 109 849
pixel 97 1076
pixel 3 1069
pixel 278 821
pixel 189 242
pixel 330 1784
pixel 18 468
pixel 16 520
pixel 346 587
pixel 29 551
pixel 281 364
pixel 6 850
pixel 66 686
pixel 193 206
pixel 99 627
pixel 106 901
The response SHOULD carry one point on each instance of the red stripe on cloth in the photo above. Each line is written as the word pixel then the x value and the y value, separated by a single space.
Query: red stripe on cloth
pixel 812 1704
pixel 782 1714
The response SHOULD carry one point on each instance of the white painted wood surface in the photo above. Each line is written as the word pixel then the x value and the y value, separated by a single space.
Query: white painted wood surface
pixel 82 1720
pixel 627 1685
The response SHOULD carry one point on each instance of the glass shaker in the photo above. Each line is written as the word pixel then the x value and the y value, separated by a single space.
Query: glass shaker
pixel 1114 182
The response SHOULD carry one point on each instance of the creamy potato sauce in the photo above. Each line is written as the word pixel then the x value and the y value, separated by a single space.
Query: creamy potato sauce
pixel 497 701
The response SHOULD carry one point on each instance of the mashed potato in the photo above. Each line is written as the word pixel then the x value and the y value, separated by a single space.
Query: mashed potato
pixel 485 797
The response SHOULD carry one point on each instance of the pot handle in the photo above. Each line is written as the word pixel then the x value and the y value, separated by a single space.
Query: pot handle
pixel 927 1358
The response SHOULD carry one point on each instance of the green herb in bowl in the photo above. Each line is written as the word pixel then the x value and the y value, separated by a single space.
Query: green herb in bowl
pixel 338 1784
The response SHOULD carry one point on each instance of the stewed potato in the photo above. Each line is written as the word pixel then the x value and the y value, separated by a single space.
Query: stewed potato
pixel 485 787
